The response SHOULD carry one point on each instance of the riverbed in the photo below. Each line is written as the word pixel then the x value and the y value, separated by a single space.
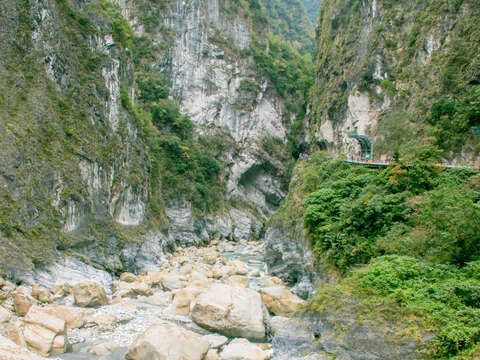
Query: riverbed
pixel 235 264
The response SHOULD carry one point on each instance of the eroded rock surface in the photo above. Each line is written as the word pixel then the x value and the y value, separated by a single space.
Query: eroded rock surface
pixel 231 310
pixel 281 301
pixel 11 351
pixel 202 308
pixel 44 333
pixel 242 349
pixel 89 294
pixel 166 341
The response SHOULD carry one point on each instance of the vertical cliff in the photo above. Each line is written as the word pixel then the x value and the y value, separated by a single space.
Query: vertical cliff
pixel 391 70
pixel 129 127
pixel 405 75
pixel 72 158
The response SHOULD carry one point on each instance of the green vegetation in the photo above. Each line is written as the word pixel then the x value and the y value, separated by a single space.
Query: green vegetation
pixel 182 164
pixel 430 69
pixel 121 30
pixel 312 8
pixel 292 77
pixel 446 299
pixel 290 73
pixel 402 241
pixel 406 241
pixel 357 213
pixel 453 119
pixel 288 20
pixel 420 297
pixel 64 117
pixel 282 49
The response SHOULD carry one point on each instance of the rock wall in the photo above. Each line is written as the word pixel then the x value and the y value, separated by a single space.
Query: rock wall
pixel 381 66
pixel 71 154
pixel 207 78
pixel 288 250
pixel 74 174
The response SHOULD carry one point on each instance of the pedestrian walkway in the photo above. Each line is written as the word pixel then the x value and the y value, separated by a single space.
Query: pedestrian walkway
pixel 379 163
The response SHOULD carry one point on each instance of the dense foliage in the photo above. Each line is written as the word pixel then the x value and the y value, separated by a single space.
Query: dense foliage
pixel 181 162
pixel 312 7
pixel 445 299
pixel 418 228
pixel 453 118
pixel 428 72
pixel 288 20
pixel 358 213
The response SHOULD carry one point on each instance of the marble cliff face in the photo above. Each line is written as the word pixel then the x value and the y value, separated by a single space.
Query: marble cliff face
pixel 104 178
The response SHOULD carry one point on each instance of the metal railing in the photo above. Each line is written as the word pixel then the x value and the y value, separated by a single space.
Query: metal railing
pixel 384 163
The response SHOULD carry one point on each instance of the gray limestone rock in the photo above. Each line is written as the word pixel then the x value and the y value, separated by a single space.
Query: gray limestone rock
pixel 290 259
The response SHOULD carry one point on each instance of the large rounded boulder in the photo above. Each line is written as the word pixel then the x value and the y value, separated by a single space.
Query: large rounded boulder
pixel 167 341
pixel 242 349
pixel 281 301
pixel 89 294
pixel 234 311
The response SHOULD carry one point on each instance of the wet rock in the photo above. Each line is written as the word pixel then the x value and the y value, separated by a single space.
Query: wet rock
pixel 281 301
pixel 22 300
pixel 242 349
pixel 73 317
pixel 11 351
pixel 230 310
pixel 166 341
pixel 89 294
pixel 44 333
